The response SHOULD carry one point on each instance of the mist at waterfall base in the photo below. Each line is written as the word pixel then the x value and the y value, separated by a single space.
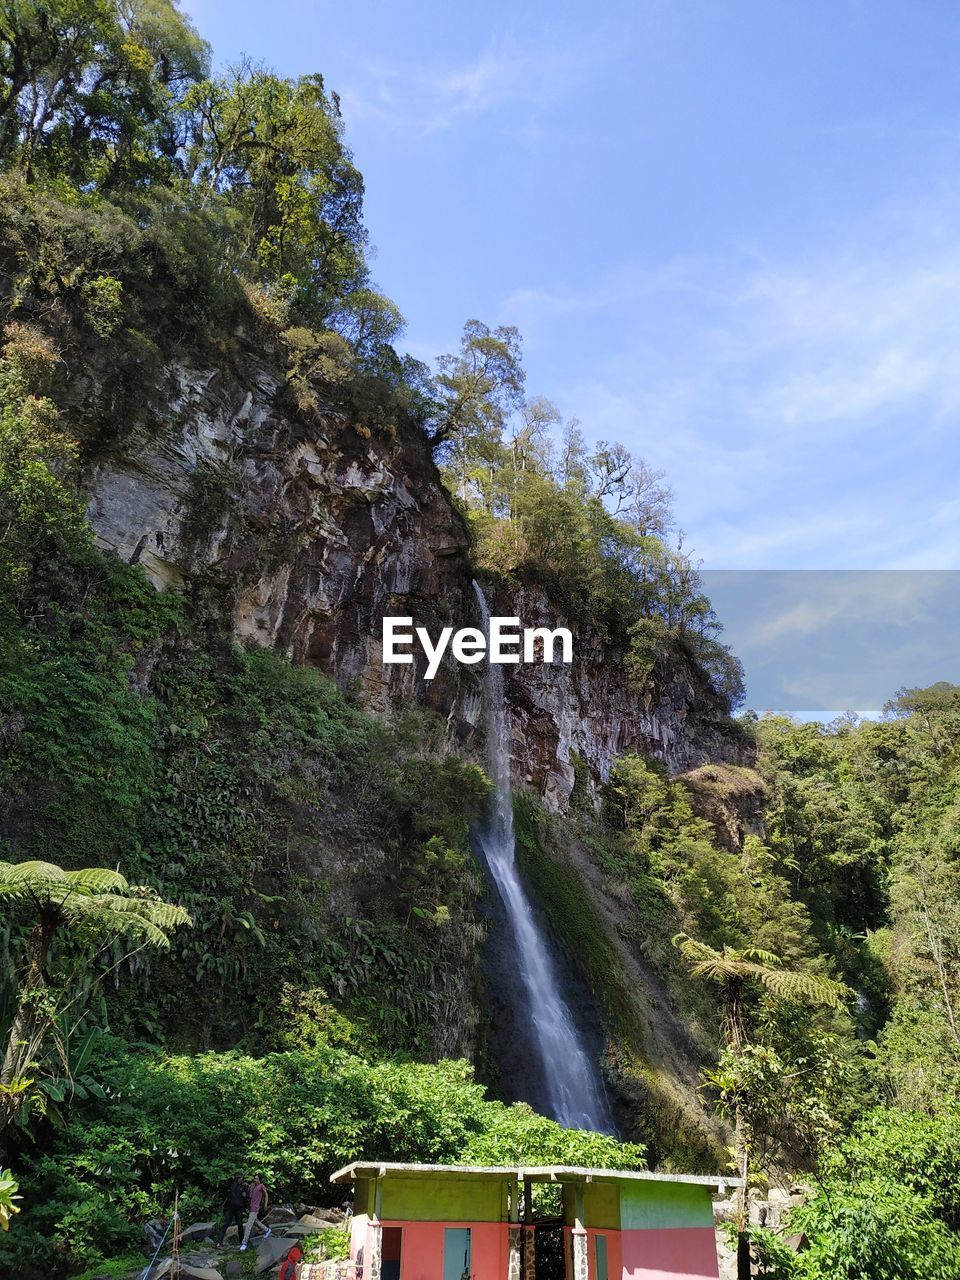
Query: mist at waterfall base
pixel 552 1068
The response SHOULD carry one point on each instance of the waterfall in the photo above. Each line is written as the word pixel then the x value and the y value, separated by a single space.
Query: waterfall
pixel 571 1081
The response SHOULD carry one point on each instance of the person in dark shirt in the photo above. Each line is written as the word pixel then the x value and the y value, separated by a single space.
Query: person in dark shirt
pixel 234 1209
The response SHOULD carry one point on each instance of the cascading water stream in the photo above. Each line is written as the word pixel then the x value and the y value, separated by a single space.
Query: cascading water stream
pixel 571 1081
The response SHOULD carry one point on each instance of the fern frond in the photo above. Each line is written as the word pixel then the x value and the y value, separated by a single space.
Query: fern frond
pixel 91 880
pixel 793 985
pixel 30 877
pixel 148 921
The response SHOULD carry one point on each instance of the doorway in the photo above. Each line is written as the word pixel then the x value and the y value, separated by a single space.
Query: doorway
pixel 549 1259
pixel 391 1247
pixel 456 1253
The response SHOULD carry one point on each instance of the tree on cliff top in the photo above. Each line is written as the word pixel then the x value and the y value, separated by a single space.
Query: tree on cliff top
pixel 478 388
pixel 90 90
pixel 109 104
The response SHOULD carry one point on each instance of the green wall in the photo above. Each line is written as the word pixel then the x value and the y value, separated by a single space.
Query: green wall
pixel 601 1204
pixel 443 1200
pixel 665 1204
pixel 363 1193
pixel 607 1206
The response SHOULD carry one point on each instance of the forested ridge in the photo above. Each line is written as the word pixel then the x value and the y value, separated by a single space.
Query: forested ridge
pixel 781 931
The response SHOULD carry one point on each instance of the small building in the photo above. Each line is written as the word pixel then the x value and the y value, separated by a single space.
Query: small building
pixel 459 1222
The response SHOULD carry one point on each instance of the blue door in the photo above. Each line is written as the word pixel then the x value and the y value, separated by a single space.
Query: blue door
pixel 456 1253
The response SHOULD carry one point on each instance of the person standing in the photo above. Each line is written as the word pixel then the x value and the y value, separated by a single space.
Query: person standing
pixel 258 1202
pixel 234 1207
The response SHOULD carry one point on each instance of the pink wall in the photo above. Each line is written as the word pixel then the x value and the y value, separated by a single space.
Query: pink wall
pixel 664 1253
pixel 669 1253
pixel 614 1260
pixel 358 1235
pixel 421 1256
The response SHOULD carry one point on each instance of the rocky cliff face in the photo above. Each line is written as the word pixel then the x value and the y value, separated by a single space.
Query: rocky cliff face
pixel 309 530
pixel 583 716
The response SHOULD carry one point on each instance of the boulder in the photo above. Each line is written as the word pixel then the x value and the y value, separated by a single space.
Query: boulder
pixel 724 1210
pixel 280 1214
pixel 269 1252
pixel 152 1236
pixel 197 1231
pixel 316 1211
pixel 199 1273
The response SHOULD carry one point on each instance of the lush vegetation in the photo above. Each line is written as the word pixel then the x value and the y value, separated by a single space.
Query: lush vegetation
pixel 833 862
pixel 589 523
pixel 100 912
pixel 190 1121
pixel 211 773
pixel 886 1206
pixel 150 213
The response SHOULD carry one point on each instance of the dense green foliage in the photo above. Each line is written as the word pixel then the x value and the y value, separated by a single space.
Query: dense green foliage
pixel 214 780
pixel 192 1121
pixel 136 738
pixel 887 1206
pixel 115 101
pixel 854 877
pixel 864 820
pixel 100 913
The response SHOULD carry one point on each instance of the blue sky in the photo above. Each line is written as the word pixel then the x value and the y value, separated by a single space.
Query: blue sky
pixel 727 230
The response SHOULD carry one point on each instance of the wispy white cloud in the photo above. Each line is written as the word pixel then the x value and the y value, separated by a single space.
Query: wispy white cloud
pixel 821 601
pixel 770 387
pixel 853 339
pixel 507 73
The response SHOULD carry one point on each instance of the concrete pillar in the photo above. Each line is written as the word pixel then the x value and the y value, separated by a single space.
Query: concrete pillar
pixel 581 1265
pixel 513 1252
pixel 371 1270
pixel 512 1203
pixel 578 1239
pixel 529 1253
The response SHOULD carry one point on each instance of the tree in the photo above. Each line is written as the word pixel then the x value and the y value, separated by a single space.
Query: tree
pixel 478 388
pixel 734 971
pixel 272 151
pixel 530 445
pixel 888 1207
pixel 97 908
pixel 648 507
pixel 91 90
pixel 611 465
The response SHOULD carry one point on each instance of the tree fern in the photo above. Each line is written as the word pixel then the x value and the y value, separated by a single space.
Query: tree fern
pixel 732 969
pixel 97 905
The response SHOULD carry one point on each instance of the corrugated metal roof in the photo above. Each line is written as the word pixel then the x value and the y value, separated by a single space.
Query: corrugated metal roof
pixel 536 1173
